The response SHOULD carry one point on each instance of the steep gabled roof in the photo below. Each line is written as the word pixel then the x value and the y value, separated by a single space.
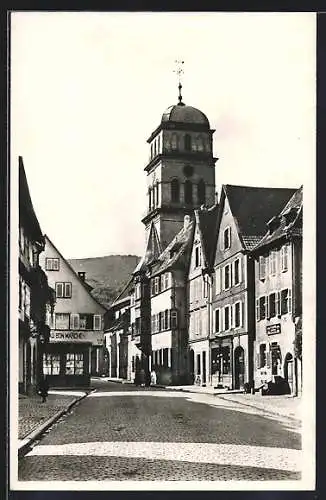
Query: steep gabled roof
pixel 283 226
pixel 206 219
pixel 152 252
pixel 85 285
pixel 124 294
pixel 252 207
pixel 27 214
pixel 177 253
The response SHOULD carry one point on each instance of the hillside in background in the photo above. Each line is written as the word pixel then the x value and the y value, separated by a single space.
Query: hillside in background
pixel 107 275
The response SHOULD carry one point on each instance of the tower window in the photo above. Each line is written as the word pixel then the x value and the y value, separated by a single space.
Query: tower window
pixel 201 192
pixel 188 192
pixel 175 190
pixel 150 198
pixel 174 141
pixel 187 142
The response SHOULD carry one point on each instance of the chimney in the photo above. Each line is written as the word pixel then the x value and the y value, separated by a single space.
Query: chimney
pixel 82 275
pixel 186 221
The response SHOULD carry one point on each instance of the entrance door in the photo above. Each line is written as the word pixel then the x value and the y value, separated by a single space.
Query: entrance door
pixel 204 368
pixel 239 368
pixel 288 370
pixel 192 366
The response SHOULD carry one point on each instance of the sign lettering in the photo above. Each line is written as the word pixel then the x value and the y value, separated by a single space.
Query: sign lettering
pixel 271 329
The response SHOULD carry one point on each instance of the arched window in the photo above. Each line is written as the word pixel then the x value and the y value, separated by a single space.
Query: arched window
pixel 187 142
pixel 188 192
pixel 174 141
pixel 201 192
pixel 175 190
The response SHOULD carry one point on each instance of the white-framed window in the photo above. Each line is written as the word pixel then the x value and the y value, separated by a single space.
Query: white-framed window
pixel 157 283
pixel 285 258
pixel 217 320
pixel 238 314
pixel 286 301
pixel 166 280
pixel 63 290
pixel 237 271
pixel 227 238
pixel 272 262
pixel 51 364
pixel 97 321
pixel 74 321
pixel 52 264
pixel 227 277
pixel 217 280
pixel 262 267
pixel 227 319
pixel 74 363
pixel 62 321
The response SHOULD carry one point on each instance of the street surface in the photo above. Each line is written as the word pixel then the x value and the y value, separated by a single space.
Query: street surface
pixel 121 432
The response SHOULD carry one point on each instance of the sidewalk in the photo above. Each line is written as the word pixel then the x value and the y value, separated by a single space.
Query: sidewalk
pixel 34 417
pixel 284 406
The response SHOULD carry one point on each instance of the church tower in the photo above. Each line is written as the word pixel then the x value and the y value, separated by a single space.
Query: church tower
pixel 180 170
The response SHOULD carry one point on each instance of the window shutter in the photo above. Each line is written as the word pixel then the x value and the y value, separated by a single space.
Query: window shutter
pixel 257 310
pixel 257 361
pixel 218 280
pixel 97 322
pixel 222 319
pixel 268 359
pixel 278 303
pixel 74 321
pixel 232 312
pixel 67 292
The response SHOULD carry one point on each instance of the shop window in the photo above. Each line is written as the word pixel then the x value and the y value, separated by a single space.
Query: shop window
pixel 62 321
pixel 86 321
pixel 188 192
pixel 74 363
pixel 175 191
pixel 226 360
pixel 52 264
pixel 51 364
pixel 262 355
pixel 201 192
pixel 227 238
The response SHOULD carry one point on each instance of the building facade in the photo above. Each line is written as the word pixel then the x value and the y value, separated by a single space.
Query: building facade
pixel 243 213
pixel 75 351
pixel 36 298
pixel 278 273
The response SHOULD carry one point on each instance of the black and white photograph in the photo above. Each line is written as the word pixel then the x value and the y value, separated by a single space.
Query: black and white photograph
pixel 162 298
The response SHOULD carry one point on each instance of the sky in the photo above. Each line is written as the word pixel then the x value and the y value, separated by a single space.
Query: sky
pixel 88 89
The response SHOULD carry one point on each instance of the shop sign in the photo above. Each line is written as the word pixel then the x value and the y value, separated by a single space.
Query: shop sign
pixel 75 336
pixel 271 329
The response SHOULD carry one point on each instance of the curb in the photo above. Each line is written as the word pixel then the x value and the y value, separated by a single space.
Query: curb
pixel 273 413
pixel 34 435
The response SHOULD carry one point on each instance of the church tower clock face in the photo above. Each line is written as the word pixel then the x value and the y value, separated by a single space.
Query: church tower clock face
pixel 188 170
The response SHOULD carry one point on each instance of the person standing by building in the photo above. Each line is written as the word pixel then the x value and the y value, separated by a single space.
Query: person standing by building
pixel 44 388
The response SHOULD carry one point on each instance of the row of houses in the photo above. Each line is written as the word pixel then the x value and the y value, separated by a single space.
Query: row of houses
pixel 60 322
pixel 217 296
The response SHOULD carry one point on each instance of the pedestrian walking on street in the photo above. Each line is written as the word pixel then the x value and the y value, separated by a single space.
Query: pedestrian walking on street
pixel 44 388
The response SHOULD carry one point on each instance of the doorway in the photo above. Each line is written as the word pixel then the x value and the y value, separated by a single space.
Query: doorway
pixel 239 368
pixel 192 366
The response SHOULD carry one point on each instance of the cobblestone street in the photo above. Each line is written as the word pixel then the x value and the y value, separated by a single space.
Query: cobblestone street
pixel 121 432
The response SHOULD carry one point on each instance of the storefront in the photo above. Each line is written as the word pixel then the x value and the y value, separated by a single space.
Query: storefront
pixel 221 362
pixel 68 357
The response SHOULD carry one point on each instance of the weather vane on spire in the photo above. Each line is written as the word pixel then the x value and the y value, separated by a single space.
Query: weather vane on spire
pixel 179 71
